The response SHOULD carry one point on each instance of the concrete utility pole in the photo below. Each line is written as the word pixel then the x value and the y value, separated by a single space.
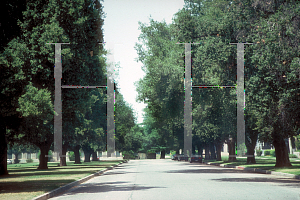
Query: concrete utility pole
pixel 188 100
pixel 240 99
pixel 240 92
pixel 58 105
pixel 110 104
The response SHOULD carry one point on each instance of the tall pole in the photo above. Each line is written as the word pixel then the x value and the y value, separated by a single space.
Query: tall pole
pixel 240 92
pixel 110 105
pixel 57 102
pixel 188 102
pixel 240 100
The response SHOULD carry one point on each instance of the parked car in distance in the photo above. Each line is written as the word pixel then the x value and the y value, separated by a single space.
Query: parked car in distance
pixel 175 156
pixel 9 161
pixel 183 157
pixel 196 158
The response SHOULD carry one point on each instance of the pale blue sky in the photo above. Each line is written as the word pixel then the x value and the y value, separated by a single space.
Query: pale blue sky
pixel 121 28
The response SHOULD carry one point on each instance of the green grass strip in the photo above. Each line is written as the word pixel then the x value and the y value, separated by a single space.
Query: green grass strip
pixel 25 181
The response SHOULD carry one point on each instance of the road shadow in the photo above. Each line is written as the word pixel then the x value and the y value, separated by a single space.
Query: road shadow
pixel 207 171
pixel 117 173
pixel 107 187
pixel 269 179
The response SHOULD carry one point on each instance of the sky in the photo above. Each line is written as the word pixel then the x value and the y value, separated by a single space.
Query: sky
pixel 121 32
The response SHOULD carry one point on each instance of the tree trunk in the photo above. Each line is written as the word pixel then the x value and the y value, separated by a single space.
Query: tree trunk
pixel 250 152
pixel 162 154
pixel 207 156
pixel 212 151
pixel 63 159
pixel 193 150
pixel 16 161
pixel 3 149
pixel 77 155
pixel 251 149
pixel 43 159
pixel 219 149
pixel 231 147
pixel 200 150
pixel 281 151
pixel 87 156
pixel 94 156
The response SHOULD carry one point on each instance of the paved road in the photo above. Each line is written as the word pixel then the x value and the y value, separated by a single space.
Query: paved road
pixel 167 179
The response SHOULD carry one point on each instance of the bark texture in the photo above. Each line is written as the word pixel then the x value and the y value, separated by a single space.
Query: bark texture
pixel 219 149
pixel 77 154
pixel 44 147
pixel 231 148
pixel 3 150
pixel 94 156
pixel 87 156
pixel 163 154
pixel 63 159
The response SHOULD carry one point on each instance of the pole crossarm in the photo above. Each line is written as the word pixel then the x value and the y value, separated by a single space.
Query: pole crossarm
pixel 79 86
pixel 73 43
pixel 187 43
pixel 221 86
pixel 240 43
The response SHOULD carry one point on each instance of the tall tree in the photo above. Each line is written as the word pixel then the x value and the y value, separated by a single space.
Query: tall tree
pixel 28 63
pixel 12 10
pixel 276 59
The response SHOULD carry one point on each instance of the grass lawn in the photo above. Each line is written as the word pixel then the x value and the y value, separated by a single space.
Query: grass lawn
pixel 25 181
pixel 263 162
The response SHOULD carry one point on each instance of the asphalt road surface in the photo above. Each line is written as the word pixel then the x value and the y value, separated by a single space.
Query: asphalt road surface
pixel 167 179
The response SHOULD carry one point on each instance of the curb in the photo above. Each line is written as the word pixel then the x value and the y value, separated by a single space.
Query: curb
pixel 255 170
pixel 64 188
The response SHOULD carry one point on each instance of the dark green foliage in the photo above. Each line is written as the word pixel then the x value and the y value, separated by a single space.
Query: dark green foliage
pixel 71 156
pixel 272 153
pixel 293 156
pixel 27 64
pixel 267 152
pixel 11 10
pixel 258 152
pixel 271 72
pixel 297 142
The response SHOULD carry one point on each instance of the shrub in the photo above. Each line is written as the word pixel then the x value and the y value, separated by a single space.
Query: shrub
pixel 128 154
pixel 258 152
pixel 173 152
pixel 292 156
pixel 71 156
pixel 151 151
pixel 297 144
pixel 29 160
pixel 267 152
pixel 272 153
